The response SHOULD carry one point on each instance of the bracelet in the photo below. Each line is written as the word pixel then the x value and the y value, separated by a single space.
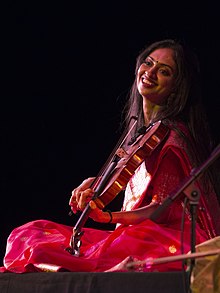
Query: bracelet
pixel 110 214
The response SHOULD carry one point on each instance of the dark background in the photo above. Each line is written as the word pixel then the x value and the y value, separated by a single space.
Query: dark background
pixel 66 70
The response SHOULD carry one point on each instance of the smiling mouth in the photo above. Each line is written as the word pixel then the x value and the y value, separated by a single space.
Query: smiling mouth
pixel 147 82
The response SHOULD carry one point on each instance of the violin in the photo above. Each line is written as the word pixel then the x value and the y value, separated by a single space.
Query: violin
pixel 118 173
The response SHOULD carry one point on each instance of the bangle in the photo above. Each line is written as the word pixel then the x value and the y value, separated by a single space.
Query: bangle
pixel 110 214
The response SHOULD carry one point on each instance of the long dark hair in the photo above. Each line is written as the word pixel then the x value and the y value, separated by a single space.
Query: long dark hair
pixel 185 103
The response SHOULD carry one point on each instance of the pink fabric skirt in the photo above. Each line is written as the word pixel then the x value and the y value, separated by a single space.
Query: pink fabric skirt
pixel 41 246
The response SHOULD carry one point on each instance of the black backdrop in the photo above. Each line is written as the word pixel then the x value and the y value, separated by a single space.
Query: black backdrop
pixel 66 71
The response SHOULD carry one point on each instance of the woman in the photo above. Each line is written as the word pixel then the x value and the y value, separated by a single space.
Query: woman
pixel 166 88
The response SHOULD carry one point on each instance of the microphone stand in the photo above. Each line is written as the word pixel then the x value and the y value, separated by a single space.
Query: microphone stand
pixel 193 194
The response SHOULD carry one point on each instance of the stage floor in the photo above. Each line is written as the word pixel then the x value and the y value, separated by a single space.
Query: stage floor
pixel 69 282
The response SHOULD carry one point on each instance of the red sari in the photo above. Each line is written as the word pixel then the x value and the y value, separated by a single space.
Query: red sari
pixel 41 245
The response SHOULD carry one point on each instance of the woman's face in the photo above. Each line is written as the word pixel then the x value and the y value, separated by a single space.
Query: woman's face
pixel 156 76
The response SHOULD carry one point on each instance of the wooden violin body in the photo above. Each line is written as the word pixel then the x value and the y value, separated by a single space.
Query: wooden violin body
pixel 136 154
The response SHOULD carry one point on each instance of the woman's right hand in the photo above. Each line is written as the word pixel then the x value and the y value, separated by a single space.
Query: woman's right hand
pixel 81 195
